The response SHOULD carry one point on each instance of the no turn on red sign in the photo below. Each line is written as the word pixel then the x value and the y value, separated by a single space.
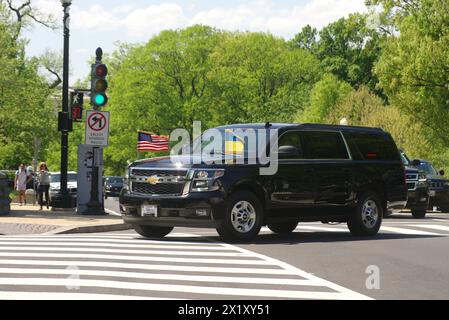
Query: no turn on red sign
pixel 97 128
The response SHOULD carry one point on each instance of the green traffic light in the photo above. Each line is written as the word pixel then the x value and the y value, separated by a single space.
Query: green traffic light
pixel 100 99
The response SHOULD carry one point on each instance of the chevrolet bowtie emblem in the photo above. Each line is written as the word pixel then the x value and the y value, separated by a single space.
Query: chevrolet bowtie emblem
pixel 153 180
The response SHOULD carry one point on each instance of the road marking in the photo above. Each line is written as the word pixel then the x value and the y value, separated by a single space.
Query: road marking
pixel 408 231
pixel 161 276
pixel 346 293
pixel 139 266
pixel 112 245
pixel 323 229
pixel 135 258
pixel 23 295
pixel 293 294
pixel 432 226
pixel 144 252
pixel 123 240
pixel 224 263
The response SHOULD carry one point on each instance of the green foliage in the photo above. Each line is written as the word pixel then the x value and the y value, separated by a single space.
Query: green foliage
pixel 413 69
pixel 325 95
pixel 25 111
pixel 363 108
pixel 347 48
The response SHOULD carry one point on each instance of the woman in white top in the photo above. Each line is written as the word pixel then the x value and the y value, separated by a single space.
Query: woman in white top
pixel 20 182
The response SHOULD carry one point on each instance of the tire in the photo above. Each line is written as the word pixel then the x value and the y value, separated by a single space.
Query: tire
pixel 419 214
pixel 283 227
pixel 152 231
pixel 367 217
pixel 388 213
pixel 241 205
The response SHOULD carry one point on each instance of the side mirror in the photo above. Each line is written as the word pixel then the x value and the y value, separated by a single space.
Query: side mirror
pixel 285 152
pixel 441 172
pixel 416 163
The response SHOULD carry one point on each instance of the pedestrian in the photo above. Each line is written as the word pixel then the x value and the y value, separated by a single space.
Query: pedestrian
pixel 43 180
pixel 20 182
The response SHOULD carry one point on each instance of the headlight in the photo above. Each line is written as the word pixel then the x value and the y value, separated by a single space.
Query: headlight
pixel 206 180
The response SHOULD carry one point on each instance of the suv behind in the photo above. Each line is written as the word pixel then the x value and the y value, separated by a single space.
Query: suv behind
pixel 325 173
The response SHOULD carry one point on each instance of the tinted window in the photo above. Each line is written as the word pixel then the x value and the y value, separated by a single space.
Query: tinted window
pixel 368 146
pixel 292 138
pixel 323 145
pixel 428 168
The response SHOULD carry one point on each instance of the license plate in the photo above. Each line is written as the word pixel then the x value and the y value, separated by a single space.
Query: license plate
pixel 433 193
pixel 149 210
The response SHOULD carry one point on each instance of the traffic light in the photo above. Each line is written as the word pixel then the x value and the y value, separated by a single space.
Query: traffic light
pixel 76 105
pixel 99 85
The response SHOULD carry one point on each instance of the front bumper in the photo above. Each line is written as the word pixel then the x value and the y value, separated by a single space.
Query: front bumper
pixel 441 198
pixel 418 199
pixel 175 211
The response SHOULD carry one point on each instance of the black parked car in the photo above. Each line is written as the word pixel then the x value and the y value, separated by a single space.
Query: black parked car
pixel 418 188
pixel 439 185
pixel 326 173
pixel 112 186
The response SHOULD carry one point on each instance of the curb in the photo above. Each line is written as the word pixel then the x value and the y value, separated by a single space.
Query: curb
pixel 89 229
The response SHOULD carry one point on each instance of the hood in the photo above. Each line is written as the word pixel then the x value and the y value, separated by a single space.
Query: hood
pixel 184 162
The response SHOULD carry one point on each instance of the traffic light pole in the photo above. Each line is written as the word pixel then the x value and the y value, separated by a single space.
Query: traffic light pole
pixel 94 206
pixel 66 201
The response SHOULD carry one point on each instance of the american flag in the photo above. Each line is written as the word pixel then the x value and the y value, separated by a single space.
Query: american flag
pixel 147 142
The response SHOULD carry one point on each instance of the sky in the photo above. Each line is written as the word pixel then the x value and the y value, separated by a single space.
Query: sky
pixel 102 23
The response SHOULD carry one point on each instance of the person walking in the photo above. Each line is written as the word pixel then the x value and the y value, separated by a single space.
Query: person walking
pixel 20 183
pixel 43 180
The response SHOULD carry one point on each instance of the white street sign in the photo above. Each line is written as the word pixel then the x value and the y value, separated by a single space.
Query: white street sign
pixel 97 128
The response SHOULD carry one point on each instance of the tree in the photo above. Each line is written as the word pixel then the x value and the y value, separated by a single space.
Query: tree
pixel 363 108
pixel 414 66
pixel 347 48
pixel 258 78
pixel 325 95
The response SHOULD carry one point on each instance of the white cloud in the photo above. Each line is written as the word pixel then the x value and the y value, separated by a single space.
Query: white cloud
pixel 153 19
pixel 258 15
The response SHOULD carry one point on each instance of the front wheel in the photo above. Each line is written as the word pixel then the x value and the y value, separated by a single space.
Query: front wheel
pixel 283 227
pixel 367 217
pixel 152 231
pixel 418 214
pixel 243 218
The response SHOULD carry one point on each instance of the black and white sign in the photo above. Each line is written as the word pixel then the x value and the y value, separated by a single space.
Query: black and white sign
pixel 97 128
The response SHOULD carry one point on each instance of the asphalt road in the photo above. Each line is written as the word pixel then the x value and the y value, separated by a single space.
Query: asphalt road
pixel 409 259
pixel 412 255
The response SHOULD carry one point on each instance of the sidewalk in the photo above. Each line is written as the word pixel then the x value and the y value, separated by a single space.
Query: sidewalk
pixel 29 220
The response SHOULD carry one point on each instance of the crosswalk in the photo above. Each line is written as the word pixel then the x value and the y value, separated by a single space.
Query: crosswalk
pixel 399 228
pixel 126 266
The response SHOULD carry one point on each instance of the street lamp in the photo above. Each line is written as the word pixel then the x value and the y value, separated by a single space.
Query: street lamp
pixel 66 201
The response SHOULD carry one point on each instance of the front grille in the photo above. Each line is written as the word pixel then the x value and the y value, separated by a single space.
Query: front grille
pixel 410 185
pixel 410 176
pixel 159 173
pixel 437 185
pixel 160 188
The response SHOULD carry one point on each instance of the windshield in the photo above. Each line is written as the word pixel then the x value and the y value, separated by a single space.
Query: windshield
pixel 114 180
pixel 428 168
pixel 405 159
pixel 71 177
pixel 231 141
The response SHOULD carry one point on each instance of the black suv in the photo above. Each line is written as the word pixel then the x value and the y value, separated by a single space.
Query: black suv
pixel 438 184
pixel 418 188
pixel 325 173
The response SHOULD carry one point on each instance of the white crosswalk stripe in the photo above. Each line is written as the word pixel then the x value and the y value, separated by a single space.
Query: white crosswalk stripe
pixel 123 266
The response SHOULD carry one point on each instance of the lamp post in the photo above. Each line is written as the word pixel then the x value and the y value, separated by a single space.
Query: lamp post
pixel 66 200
